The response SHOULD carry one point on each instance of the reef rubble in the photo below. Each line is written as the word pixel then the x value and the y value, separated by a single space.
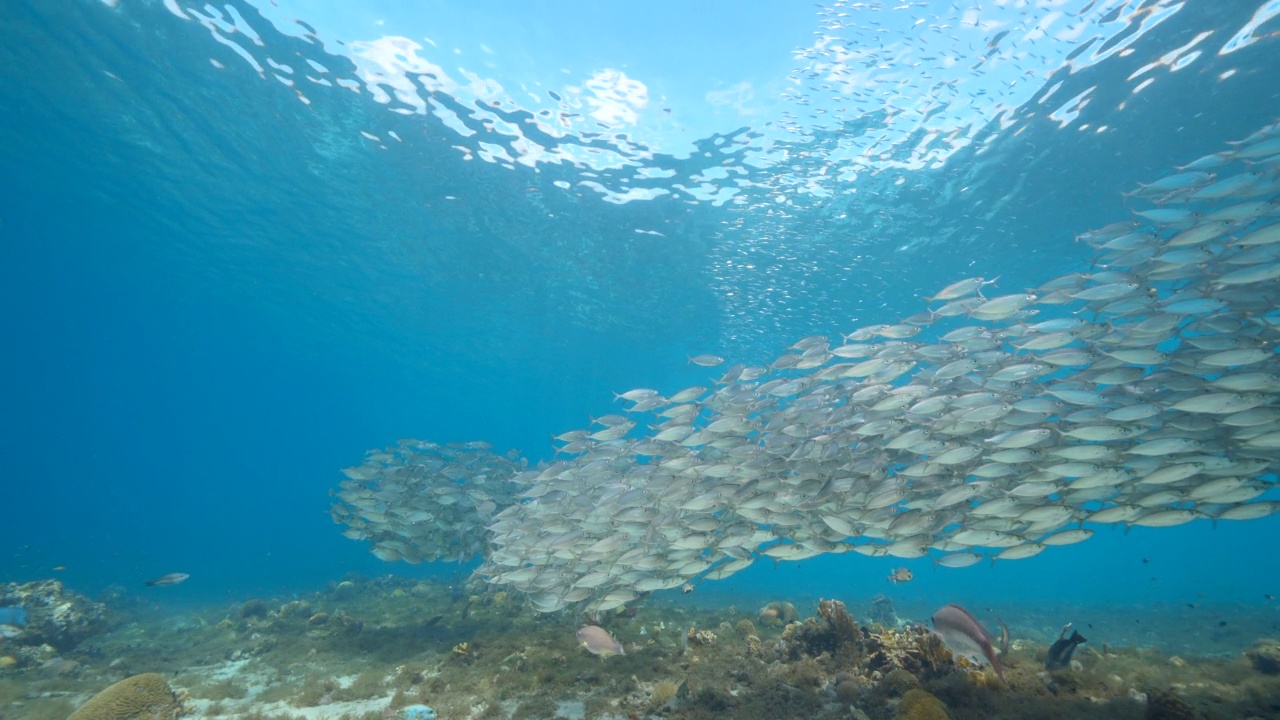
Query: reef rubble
pixel 369 649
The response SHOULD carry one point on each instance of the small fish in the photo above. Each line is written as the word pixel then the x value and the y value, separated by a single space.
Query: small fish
pixel 962 632
pixel 170 579
pixel 961 288
pixel 597 641
pixel 706 360
pixel 1061 650
pixel 900 575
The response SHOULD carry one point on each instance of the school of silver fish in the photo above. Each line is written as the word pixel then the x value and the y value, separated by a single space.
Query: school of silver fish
pixel 1143 392
pixel 418 501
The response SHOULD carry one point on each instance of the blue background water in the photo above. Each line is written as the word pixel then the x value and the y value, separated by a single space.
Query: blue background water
pixel 215 296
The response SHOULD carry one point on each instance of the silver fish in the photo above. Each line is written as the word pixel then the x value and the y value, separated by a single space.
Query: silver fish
pixel 170 579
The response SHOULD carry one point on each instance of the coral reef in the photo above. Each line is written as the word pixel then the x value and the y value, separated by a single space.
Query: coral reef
pixel 1165 704
pixel 253 609
pixel 55 616
pixel 912 648
pixel 701 637
pixel 778 613
pixel 882 612
pixel 920 705
pixel 1265 656
pixel 896 683
pixel 663 692
pixel 833 633
pixel 387 646
pixel 842 623
pixel 141 697
pixel 295 609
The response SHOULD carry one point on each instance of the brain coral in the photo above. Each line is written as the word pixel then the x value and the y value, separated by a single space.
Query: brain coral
pixel 141 697
pixel 920 705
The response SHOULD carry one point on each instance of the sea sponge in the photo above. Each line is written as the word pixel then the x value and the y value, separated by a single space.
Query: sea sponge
pixel 920 705
pixel 141 697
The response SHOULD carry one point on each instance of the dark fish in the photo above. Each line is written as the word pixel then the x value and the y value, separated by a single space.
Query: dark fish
pixel 962 632
pixel 170 579
pixel 1062 649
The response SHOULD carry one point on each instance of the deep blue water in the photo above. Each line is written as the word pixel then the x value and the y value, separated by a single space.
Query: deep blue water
pixel 215 295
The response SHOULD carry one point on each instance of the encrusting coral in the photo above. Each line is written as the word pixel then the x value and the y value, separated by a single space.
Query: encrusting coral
pixel 141 697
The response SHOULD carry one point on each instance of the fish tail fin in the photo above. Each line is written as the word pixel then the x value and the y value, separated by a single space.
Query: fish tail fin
pixel 992 281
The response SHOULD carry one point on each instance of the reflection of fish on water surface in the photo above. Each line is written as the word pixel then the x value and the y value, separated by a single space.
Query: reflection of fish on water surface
pixel 1144 395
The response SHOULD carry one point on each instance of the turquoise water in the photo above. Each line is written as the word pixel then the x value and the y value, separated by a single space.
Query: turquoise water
pixel 230 271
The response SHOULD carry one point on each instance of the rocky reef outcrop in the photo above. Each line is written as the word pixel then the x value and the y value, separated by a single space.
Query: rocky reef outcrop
pixel 55 616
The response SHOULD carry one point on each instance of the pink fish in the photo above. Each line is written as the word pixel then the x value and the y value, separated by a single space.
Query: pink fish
pixel 598 641
pixel 962 632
